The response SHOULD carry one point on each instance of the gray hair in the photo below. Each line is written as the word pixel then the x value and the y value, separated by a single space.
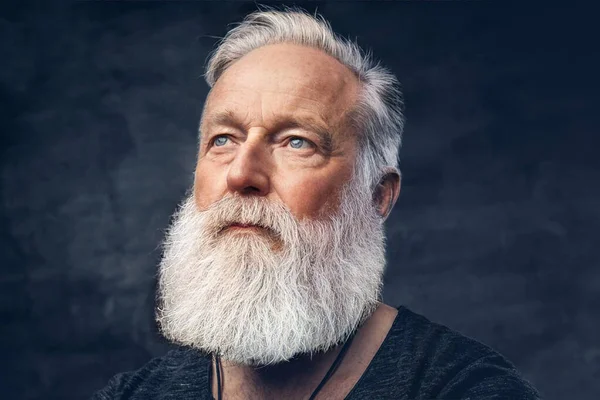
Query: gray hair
pixel 378 114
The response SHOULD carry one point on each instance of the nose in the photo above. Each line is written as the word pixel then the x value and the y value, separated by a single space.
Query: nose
pixel 248 172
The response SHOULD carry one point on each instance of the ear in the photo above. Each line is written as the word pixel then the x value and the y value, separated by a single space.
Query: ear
pixel 387 191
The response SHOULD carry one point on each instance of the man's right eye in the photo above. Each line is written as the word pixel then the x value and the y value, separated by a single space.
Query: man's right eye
pixel 220 141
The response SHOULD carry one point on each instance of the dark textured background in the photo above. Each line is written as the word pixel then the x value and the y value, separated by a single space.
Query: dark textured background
pixel 495 233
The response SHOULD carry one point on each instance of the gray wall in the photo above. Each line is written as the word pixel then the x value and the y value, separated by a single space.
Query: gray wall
pixel 495 233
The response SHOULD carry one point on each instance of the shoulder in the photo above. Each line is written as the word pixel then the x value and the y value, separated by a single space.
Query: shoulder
pixel 180 372
pixel 453 365
pixel 423 359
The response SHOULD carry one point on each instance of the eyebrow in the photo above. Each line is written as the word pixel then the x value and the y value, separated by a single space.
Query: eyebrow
pixel 229 118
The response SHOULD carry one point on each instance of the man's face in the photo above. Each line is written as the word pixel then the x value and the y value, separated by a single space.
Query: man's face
pixel 277 162
pixel 275 126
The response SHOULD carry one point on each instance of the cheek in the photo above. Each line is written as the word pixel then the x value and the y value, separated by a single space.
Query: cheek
pixel 207 186
pixel 311 197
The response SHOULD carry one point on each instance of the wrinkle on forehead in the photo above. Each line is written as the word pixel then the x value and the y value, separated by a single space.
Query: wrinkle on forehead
pixel 297 77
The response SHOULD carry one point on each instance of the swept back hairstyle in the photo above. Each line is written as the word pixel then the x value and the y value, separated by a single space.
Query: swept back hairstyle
pixel 378 114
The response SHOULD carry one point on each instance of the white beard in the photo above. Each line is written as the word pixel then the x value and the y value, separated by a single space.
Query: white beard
pixel 259 299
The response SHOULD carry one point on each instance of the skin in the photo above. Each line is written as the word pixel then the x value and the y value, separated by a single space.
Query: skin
pixel 275 125
pixel 260 92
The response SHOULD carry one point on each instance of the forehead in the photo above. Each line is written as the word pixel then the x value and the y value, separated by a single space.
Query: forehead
pixel 281 80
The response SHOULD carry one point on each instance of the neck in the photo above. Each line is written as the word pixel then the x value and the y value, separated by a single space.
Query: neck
pixel 275 381
pixel 298 377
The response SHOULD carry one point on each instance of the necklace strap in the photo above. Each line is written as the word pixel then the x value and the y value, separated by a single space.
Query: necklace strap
pixel 218 373
pixel 334 366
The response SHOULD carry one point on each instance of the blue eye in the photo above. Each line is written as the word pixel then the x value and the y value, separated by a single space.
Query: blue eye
pixel 297 143
pixel 220 140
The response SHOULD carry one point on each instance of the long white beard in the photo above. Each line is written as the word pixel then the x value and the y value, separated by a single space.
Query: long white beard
pixel 259 299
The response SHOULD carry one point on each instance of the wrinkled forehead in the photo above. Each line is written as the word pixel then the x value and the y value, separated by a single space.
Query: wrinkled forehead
pixel 286 79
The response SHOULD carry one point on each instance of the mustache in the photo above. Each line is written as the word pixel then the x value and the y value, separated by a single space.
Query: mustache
pixel 272 216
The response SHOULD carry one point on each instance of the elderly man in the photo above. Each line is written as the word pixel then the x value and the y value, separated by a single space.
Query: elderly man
pixel 272 271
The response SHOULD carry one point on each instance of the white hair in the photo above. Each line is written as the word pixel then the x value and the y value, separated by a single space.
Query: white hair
pixel 300 287
pixel 377 116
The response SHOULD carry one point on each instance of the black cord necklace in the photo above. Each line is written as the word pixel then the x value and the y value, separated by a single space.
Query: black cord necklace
pixel 334 366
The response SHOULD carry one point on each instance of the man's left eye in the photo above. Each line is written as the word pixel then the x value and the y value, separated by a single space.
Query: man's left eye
pixel 220 140
pixel 298 143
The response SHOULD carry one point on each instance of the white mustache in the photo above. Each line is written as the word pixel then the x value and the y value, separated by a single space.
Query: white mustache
pixel 232 209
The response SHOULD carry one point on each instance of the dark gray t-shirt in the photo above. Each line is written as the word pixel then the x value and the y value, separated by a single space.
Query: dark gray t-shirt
pixel 418 360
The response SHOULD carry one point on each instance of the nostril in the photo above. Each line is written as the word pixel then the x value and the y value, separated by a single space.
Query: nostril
pixel 252 189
